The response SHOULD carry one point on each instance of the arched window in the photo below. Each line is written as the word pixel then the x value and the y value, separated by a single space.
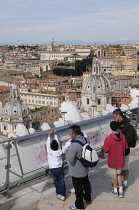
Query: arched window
pixel 99 101
pixel 87 100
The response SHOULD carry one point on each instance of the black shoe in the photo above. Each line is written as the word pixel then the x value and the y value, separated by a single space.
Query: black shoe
pixel 88 202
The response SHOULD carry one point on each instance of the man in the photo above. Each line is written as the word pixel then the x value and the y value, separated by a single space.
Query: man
pixel 127 129
pixel 78 172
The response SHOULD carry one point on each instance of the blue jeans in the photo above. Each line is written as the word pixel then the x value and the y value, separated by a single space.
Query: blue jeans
pixel 59 182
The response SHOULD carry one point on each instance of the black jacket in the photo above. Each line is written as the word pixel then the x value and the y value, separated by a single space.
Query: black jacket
pixel 127 130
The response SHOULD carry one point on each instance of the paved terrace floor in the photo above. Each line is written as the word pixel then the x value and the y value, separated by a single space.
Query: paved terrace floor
pixel 40 194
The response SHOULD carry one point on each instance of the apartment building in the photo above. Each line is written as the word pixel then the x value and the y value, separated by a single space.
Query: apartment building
pixel 121 97
pixel 54 88
pixel 119 82
pixel 66 55
pixel 42 99
pixel 37 68
pixel 129 63
pixel 106 51
pixel 86 74
pixel 108 63
pixel 115 51
pixel 8 81
pixel 44 114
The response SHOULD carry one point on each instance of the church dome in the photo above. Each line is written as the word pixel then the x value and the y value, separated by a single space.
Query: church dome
pixel 14 112
pixel 15 107
pixel 96 83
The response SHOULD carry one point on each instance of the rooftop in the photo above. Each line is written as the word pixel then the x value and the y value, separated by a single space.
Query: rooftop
pixel 40 194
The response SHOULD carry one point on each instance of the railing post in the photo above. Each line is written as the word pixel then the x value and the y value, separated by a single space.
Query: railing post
pixel 7 168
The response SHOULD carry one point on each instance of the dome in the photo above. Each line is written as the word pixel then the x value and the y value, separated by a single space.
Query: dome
pixel 96 94
pixel 15 107
pixel 15 113
pixel 96 83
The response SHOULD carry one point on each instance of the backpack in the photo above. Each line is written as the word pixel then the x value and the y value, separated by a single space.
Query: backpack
pixel 89 157
pixel 132 142
pixel 135 138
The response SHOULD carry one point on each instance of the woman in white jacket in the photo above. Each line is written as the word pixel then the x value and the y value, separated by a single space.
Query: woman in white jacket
pixel 55 164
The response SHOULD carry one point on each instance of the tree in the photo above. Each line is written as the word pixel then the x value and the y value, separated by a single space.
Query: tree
pixel 75 56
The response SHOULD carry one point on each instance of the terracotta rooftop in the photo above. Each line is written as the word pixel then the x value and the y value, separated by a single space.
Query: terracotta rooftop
pixel 4 89
pixel 87 72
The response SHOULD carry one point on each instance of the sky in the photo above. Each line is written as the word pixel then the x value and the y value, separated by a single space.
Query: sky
pixel 38 21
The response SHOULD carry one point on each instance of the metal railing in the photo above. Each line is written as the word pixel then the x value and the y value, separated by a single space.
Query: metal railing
pixel 25 158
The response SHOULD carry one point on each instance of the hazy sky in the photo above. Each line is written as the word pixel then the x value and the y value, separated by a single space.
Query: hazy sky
pixel 37 21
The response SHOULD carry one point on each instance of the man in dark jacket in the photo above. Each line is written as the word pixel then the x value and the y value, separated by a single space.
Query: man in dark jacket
pixel 78 172
pixel 127 129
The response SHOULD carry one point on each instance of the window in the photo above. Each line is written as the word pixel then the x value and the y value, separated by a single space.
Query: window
pixel 87 100
pixel 99 101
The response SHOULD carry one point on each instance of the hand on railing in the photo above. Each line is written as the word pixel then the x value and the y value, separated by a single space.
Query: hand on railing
pixel 54 132
pixel 49 133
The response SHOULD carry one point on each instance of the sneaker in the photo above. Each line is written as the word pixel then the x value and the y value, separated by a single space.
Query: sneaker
pixel 124 187
pixel 114 193
pixel 61 197
pixel 72 190
pixel 74 208
pixel 121 194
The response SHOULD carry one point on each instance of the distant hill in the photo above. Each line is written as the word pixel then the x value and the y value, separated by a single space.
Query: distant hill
pixel 79 42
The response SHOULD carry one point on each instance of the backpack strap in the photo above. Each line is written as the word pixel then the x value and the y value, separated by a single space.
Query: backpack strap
pixel 79 142
pixel 86 140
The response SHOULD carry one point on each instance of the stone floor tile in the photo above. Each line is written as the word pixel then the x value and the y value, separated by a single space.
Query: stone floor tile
pixel 127 206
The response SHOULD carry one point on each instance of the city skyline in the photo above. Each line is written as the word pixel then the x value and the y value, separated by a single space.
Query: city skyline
pixel 40 21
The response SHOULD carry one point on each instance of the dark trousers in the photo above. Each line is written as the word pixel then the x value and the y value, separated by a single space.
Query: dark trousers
pixel 59 182
pixel 82 190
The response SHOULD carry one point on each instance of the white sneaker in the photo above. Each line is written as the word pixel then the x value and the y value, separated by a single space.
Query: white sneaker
pixel 74 208
pixel 58 196
pixel 121 195
pixel 61 197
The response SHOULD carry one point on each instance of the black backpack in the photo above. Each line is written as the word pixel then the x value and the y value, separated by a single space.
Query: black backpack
pixel 135 138
pixel 133 141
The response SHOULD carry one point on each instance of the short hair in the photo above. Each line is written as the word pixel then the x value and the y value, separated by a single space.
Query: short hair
pixel 114 125
pixel 118 111
pixel 54 145
pixel 75 129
